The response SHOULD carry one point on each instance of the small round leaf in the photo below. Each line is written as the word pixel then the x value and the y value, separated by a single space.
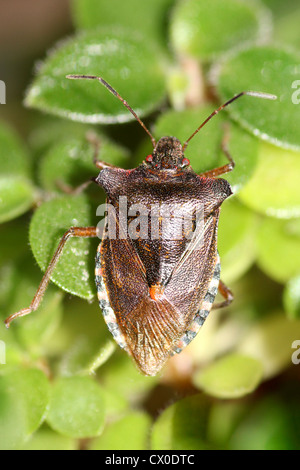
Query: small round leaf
pixel 76 407
pixel 278 248
pixel 270 342
pixel 265 69
pixel 273 189
pixel 75 269
pixel 232 376
pixel 69 163
pixel 128 433
pixel 204 29
pixel 182 426
pixel 24 397
pixel 16 189
pixel 236 246
pixel 46 439
pixel 148 18
pixel 124 59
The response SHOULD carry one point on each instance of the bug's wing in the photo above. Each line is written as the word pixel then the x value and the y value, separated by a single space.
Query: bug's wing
pixel 150 328
pixel 123 273
pixel 189 280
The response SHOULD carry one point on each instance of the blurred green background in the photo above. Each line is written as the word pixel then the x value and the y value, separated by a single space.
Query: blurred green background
pixel 63 382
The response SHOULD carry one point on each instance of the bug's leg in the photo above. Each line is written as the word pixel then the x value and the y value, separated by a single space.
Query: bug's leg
pixel 84 232
pixel 69 190
pixel 226 293
pixel 94 140
pixel 225 168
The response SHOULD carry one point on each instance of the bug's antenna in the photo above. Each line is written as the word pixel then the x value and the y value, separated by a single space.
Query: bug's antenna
pixel 256 94
pixel 114 92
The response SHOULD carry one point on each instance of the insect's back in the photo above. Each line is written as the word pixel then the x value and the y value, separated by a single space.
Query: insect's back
pixel 156 280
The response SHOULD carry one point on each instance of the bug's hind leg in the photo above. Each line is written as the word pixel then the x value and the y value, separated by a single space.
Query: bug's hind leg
pixel 226 293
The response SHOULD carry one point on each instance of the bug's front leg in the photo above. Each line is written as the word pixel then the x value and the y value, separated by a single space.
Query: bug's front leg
pixel 225 168
pixel 226 293
pixel 84 232
pixel 94 140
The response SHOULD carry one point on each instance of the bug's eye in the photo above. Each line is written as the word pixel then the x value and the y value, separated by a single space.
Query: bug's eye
pixel 149 159
pixel 185 162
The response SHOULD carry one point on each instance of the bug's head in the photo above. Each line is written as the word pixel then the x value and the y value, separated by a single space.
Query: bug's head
pixel 167 155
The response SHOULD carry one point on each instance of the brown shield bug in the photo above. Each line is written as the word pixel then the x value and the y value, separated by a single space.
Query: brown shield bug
pixel 157 283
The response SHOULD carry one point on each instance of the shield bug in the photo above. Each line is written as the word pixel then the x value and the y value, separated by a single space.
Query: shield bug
pixel 156 279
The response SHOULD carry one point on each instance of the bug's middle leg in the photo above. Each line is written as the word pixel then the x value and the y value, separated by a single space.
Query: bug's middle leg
pixel 82 232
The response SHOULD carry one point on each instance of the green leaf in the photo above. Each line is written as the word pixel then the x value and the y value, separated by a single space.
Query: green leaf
pixel 266 69
pixel 82 321
pixel 243 148
pixel 182 426
pixel 274 187
pixel 121 374
pixel 16 189
pixel 16 196
pixel 124 59
pixel 70 162
pixel 86 356
pixel 204 150
pixel 13 235
pixel 148 18
pixel 24 397
pixel 291 298
pixel 236 246
pixel 161 436
pixel 33 385
pixel 75 269
pixel 278 248
pixel 33 330
pixel 50 130
pixel 224 417
pixel 270 341
pixel 12 411
pixel 128 433
pixel 46 439
pixel 116 404
pixel 267 426
pixel 205 29
pixel 232 376
pixel 286 19
pixel 76 407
